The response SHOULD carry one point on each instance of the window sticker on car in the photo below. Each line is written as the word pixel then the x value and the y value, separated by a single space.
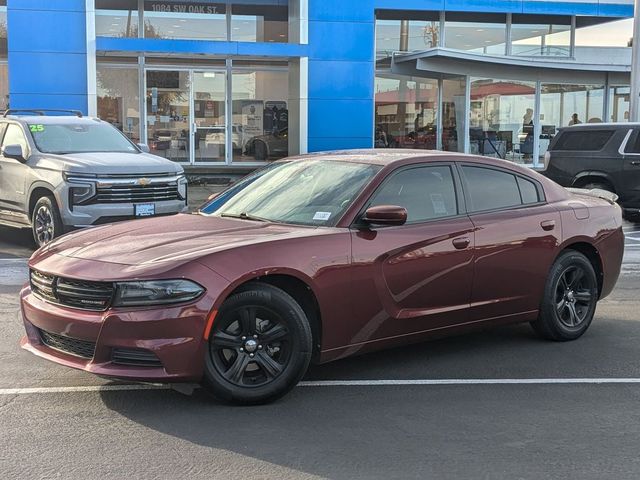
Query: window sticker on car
pixel 322 216
pixel 36 128
pixel 437 201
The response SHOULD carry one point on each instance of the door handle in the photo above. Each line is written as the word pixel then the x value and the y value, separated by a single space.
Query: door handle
pixel 548 224
pixel 635 163
pixel 461 242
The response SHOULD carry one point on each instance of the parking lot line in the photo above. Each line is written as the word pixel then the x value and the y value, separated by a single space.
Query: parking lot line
pixel 343 383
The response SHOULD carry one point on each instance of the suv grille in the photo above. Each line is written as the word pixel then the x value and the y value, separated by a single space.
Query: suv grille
pixel 72 346
pixel 155 192
pixel 73 293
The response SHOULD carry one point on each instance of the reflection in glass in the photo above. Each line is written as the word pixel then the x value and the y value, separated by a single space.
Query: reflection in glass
pixel 409 35
pixel 563 105
pixel 117 18
pixel 540 39
pixel 185 20
pixel 3 30
pixel 259 23
pixel 260 115
pixel 118 99
pixel 619 104
pixel 453 101
pixel 463 31
pixel 209 116
pixel 405 112
pixel 167 100
pixel 501 119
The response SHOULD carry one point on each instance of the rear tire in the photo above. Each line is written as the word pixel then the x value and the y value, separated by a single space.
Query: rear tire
pixel 259 348
pixel 46 223
pixel 570 298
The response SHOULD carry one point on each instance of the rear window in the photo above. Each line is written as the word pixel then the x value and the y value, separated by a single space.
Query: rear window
pixel 583 140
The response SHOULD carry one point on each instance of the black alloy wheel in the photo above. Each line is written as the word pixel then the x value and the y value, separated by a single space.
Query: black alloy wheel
pixel 259 347
pixel 46 223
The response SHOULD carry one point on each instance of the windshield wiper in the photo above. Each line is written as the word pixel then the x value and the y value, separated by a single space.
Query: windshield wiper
pixel 244 216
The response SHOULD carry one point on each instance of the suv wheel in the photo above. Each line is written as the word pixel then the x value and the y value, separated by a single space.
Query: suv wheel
pixel 46 222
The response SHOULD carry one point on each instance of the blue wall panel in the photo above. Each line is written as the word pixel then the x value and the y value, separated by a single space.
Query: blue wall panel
pixel 47 54
pixel 341 74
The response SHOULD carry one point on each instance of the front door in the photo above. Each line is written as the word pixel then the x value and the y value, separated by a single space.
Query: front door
pixel 186 119
pixel 629 183
pixel 417 276
pixel 13 175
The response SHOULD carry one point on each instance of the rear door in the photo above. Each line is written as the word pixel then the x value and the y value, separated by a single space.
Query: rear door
pixel 416 276
pixel 629 190
pixel 516 236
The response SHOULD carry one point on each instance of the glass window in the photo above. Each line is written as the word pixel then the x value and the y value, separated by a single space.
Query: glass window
pixel 426 193
pixel 304 192
pixel 209 94
pixel 256 22
pixel 453 105
pixel 502 119
pixel 619 104
pixel 609 34
pixel 3 28
pixel 80 138
pixel 477 33
pixel 116 18
pixel 491 189
pixel 176 19
pixel 583 140
pixel 405 112
pixel 15 136
pixel 533 36
pixel 635 146
pixel 528 191
pixel 260 114
pixel 119 99
pixel 4 86
pixel 416 31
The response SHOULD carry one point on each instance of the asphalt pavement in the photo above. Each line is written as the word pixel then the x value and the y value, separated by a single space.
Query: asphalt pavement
pixel 498 404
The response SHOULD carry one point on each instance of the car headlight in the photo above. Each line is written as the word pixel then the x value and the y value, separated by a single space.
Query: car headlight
pixel 182 187
pixel 81 193
pixel 155 292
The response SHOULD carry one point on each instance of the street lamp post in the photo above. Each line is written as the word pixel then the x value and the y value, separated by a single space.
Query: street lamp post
pixel 634 100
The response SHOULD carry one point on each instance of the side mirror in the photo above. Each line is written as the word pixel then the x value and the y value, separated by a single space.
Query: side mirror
pixel 385 215
pixel 15 152
pixel 144 147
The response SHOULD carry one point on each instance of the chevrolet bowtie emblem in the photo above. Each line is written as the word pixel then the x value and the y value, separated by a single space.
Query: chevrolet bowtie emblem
pixel 144 181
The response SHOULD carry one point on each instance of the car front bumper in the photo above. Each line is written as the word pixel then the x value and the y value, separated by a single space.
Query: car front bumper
pixel 173 335
pixel 88 215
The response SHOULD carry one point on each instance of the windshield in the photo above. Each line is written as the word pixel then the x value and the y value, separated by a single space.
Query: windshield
pixel 304 192
pixel 80 138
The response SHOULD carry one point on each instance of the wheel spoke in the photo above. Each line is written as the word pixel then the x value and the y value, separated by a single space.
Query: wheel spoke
pixel 574 319
pixel 248 320
pixel 224 340
pixel 274 333
pixel 577 276
pixel 268 364
pixel 563 282
pixel 561 304
pixel 583 296
pixel 237 368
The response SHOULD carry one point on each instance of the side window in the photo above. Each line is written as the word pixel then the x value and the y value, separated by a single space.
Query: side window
pixel 528 191
pixel 490 189
pixel 633 146
pixel 15 136
pixel 426 192
pixel 583 140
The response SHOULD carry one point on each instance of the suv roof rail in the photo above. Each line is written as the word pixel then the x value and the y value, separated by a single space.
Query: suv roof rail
pixel 41 111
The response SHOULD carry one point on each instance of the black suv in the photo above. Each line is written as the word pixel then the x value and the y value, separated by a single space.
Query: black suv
pixel 599 155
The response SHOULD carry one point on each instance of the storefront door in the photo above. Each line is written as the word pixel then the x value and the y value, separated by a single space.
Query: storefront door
pixel 185 115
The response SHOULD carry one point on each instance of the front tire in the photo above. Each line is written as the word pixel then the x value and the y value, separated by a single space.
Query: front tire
pixel 46 223
pixel 259 348
pixel 570 298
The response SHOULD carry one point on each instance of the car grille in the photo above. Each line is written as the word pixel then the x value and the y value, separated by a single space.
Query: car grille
pixel 72 346
pixel 135 357
pixel 154 192
pixel 73 293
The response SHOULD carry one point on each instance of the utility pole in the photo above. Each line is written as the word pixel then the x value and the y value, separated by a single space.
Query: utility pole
pixel 634 97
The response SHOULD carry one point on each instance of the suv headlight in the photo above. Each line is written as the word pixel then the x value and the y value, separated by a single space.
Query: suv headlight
pixel 81 193
pixel 182 187
pixel 155 292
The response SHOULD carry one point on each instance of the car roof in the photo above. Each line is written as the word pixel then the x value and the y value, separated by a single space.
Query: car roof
pixel 601 126
pixel 53 119
pixel 388 156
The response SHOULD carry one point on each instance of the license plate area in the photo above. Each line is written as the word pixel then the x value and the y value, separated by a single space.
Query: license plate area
pixel 144 209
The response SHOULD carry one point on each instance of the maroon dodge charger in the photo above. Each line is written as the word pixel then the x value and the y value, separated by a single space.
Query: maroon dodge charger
pixel 316 258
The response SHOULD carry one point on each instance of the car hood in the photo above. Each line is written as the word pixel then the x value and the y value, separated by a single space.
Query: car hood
pixel 105 163
pixel 177 239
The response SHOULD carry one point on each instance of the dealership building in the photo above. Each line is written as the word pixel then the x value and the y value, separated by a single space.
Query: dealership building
pixel 230 85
